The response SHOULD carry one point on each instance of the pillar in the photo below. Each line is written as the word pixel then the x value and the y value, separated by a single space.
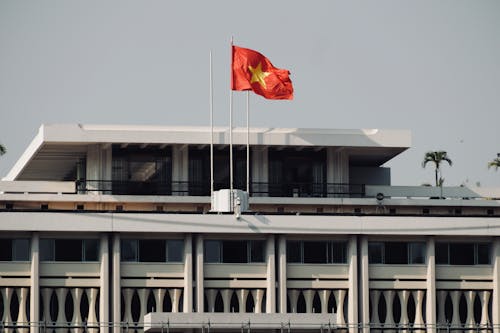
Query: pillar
pixel 282 288
pixel 431 286
pixel 199 274
pixel 104 285
pixel 116 285
pixel 180 168
pixel 496 285
pixel 271 276
pixel 352 259
pixel 364 286
pixel 260 171
pixel 35 282
pixel 188 274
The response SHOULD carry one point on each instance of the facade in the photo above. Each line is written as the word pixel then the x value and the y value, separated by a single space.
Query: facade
pixel 110 229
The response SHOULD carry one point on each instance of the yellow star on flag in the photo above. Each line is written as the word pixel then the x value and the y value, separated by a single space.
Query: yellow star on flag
pixel 258 75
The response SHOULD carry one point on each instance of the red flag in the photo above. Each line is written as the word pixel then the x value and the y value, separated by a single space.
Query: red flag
pixel 252 71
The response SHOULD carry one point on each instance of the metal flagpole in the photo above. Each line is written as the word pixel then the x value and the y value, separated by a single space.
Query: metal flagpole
pixel 231 124
pixel 211 129
pixel 248 142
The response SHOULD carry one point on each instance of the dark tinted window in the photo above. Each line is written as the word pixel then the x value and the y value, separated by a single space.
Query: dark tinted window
pixel 5 249
pixel 68 250
pixel 46 250
pixel 293 251
pixel 257 251
pixel 175 250
pixel 375 253
pixel 315 252
pixel 338 252
pixel 212 251
pixel 396 253
pixel 21 250
pixel 417 253
pixel 129 250
pixel 91 248
pixel 152 250
pixel 483 254
pixel 461 254
pixel 442 253
pixel 234 252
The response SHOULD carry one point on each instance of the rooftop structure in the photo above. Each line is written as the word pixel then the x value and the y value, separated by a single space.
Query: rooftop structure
pixel 112 228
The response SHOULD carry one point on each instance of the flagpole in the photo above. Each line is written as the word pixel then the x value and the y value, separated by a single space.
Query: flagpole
pixel 248 142
pixel 231 124
pixel 211 129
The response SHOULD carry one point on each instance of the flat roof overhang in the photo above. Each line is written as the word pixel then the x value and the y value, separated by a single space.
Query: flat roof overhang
pixel 161 322
pixel 56 148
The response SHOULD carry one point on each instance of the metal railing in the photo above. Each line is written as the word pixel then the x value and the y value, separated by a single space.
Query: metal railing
pixel 246 326
pixel 183 188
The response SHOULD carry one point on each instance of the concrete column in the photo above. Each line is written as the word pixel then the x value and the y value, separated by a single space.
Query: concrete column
pixel 35 283
pixel 271 276
pixel 364 286
pixel 496 285
pixel 188 274
pixel 104 285
pixel 282 274
pixel 260 169
pixel 180 169
pixel 337 166
pixel 199 274
pixel 352 259
pixel 431 286
pixel 99 167
pixel 116 284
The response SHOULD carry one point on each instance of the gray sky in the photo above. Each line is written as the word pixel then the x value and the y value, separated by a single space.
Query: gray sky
pixel 432 67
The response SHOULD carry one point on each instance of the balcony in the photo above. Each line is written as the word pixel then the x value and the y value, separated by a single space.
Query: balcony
pixel 184 188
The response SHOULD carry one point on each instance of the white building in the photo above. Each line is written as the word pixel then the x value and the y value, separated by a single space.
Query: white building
pixel 109 228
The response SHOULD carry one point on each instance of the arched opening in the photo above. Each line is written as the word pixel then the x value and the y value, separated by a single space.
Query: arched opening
pixel 382 308
pixel 84 307
pixel 219 303
pixel 135 307
pixel 68 307
pixel 301 304
pixel 250 304
pixel 316 303
pixel 332 304
pixel 234 306
pixel 167 303
pixel 151 303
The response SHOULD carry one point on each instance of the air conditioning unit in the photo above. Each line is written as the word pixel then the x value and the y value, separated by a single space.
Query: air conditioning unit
pixel 223 201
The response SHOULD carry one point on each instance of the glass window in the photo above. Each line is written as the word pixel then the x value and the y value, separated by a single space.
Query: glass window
pixel 212 251
pixel 68 249
pixel 5 249
pixel 442 257
pixel 338 253
pixel 91 250
pixel 234 252
pixel 175 250
pixel 396 253
pixel 129 250
pixel 257 251
pixel 152 250
pixel 461 254
pixel 293 250
pixel 417 253
pixel 375 253
pixel 47 250
pixel 315 252
pixel 21 250
pixel 483 254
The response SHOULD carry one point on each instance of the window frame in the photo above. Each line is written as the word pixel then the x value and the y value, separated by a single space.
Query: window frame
pixel 409 252
pixel 329 251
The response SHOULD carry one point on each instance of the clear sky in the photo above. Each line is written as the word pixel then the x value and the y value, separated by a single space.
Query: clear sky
pixel 432 67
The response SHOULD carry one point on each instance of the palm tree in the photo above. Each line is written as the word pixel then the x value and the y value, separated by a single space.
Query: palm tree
pixel 495 163
pixel 3 150
pixel 437 157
